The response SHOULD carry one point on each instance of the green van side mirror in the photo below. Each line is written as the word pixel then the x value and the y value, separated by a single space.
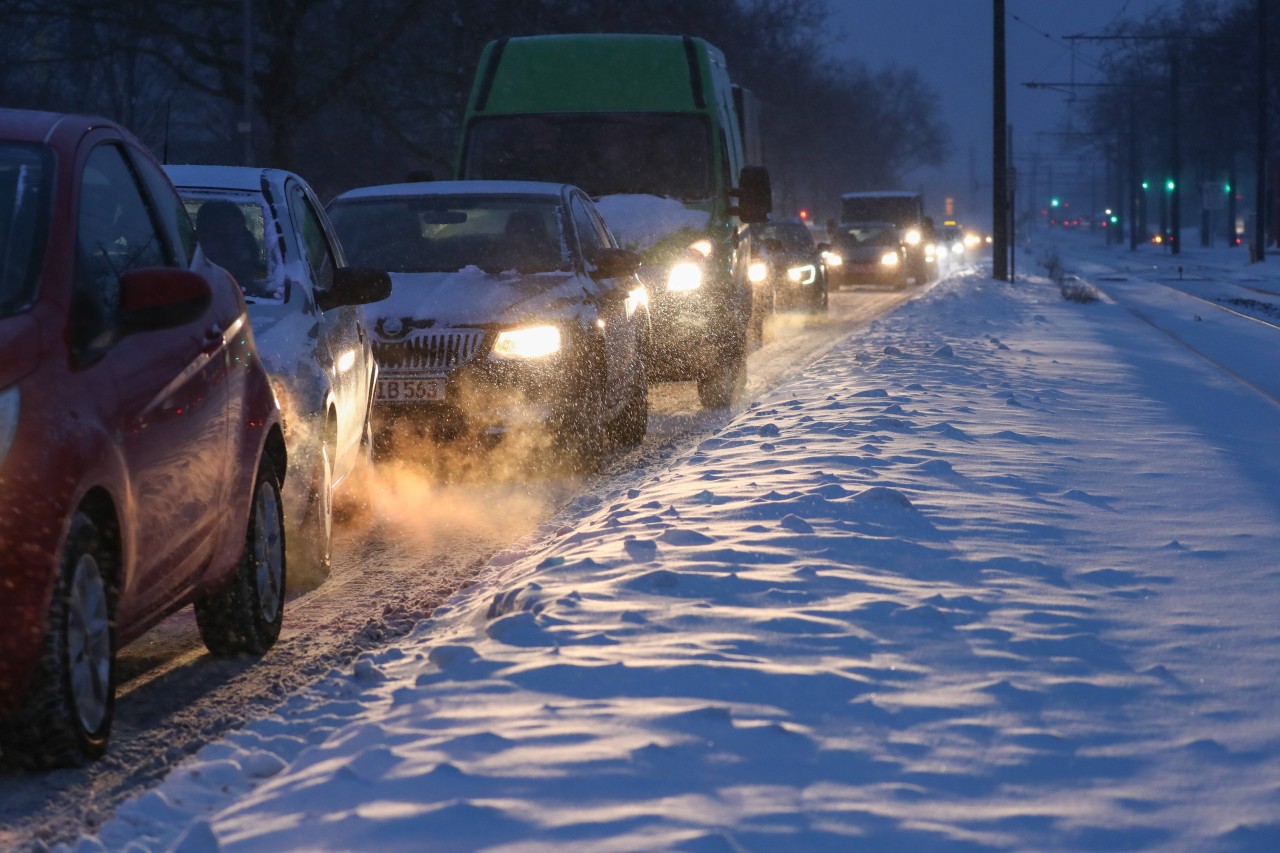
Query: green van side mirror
pixel 754 193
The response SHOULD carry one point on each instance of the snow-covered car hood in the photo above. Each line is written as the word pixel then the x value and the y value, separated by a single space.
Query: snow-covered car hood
pixel 639 222
pixel 472 297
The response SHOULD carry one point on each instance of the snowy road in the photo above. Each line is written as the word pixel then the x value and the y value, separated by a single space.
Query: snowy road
pixel 419 542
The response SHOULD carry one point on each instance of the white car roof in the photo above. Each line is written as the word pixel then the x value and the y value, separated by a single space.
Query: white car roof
pixel 422 188
pixel 244 178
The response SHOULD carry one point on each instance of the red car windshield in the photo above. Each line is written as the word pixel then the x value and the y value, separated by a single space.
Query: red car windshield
pixel 26 181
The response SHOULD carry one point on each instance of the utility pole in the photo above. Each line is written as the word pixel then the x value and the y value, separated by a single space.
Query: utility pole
pixel 1258 244
pixel 246 121
pixel 1175 156
pixel 1000 154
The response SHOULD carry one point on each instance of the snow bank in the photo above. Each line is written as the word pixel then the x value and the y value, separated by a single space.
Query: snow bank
pixel 999 574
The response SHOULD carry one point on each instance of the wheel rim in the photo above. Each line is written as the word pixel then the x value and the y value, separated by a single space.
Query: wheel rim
pixel 89 643
pixel 268 550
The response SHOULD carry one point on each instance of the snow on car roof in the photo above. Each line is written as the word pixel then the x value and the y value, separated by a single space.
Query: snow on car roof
pixel 884 194
pixel 456 188
pixel 248 178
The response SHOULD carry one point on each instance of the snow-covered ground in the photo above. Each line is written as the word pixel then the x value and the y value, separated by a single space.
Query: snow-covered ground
pixel 1001 573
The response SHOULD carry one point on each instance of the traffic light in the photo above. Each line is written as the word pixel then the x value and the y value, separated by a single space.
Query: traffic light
pixel 1055 202
pixel 1146 185
pixel 1170 185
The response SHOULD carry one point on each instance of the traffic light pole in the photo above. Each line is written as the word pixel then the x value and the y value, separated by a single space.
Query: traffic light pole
pixel 1000 154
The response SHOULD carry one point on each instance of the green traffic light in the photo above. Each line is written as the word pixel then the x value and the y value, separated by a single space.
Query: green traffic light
pixel 1054 203
pixel 1226 188
pixel 1114 219
pixel 1146 185
pixel 1169 185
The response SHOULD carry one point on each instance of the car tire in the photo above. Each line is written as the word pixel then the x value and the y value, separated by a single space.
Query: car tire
pixel 633 422
pixel 244 614
pixel 65 719
pixel 723 380
pixel 311 540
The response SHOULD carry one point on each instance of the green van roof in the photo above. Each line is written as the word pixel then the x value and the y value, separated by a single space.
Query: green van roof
pixel 594 73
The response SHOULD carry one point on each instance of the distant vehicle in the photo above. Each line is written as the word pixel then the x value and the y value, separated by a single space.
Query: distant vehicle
pixel 867 253
pixel 905 210
pixel 787 270
pixel 652 128
pixel 514 311
pixel 266 227
pixel 141 451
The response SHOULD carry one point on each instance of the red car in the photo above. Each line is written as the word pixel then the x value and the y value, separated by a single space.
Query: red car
pixel 141 453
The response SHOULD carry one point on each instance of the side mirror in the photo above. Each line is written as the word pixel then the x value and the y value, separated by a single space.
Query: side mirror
pixel 161 298
pixel 755 195
pixel 354 286
pixel 613 263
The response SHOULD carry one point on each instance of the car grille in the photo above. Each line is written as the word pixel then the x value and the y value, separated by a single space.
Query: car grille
pixel 430 350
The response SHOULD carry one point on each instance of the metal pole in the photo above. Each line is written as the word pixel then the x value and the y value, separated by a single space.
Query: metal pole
pixel 1257 246
pixel 1000 156
pixel 1175 159
pixel 246 120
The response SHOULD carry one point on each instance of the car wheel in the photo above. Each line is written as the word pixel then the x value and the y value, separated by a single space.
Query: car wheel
pixel 580 433
pixel 244 615
pixel 632 423
pixel 65 719
pixel 724 379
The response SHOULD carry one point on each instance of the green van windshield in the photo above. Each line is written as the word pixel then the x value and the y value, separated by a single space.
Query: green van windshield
pixel 663 154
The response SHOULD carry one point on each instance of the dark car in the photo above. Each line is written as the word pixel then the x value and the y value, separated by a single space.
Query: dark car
pixel 267 228
pixel 787 269
pixel 867 253
pixel 141 453
pixel 513 311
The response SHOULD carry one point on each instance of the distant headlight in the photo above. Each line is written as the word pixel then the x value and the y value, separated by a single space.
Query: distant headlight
pixel 832 259
pixel 702 247
pixel 889 259
pixel 912 236
pixel 533 342
pixel 803 275
pixel 684 276
pixel 757 272
pixel 957 247
pixel 8 418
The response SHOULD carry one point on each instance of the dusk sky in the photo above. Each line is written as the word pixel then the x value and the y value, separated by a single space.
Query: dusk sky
pixel 949 42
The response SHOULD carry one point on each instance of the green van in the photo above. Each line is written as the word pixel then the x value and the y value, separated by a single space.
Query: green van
pixel 648 126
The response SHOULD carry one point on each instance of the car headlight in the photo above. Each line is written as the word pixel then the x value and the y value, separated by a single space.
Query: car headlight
pixel 684 276
pixel 912 236
pixel 757 271
pixel 803 275
pixel 889 259
pixel 957 248
pixel 533 342
pixel 702 247
pixel 832 259
pixel 8 418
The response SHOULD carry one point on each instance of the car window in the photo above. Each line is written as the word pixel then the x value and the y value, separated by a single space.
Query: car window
pixel 173 218
pixel 232 230
pixel 26 187
pixel 115 233
pixel 315 245
pixel 447 233
pixel 588 237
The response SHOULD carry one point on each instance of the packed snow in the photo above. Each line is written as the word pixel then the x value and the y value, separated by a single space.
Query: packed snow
pixel 1000 573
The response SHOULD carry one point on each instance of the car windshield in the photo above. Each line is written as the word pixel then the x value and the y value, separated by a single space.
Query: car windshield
pixel 787 236
pixel 451 233
pixel 231 228
pixel 26 182
pixel 876 234
pixel 604 153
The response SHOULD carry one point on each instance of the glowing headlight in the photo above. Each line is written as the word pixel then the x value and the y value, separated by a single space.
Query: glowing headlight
pixel 889 259
pixel 757 272
pixel 957 247
pixel 702 247
pixel 912 236
pixel 534 342
pixel 684 276
pixel 832 259
pixel 636 299
pixel 972 240
pixel 803 275
pixel 8 418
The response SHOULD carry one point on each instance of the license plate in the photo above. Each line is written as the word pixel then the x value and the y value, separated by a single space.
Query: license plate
pixel 410 390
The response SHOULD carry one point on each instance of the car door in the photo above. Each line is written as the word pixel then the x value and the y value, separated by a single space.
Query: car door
pixel 342 347
pixel 171 421
pixel 612 303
